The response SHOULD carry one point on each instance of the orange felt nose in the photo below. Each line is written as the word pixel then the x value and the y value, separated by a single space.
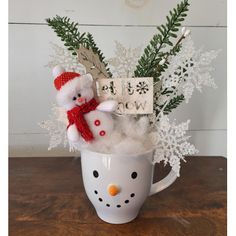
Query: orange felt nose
pixel 113 190
pixel 80 99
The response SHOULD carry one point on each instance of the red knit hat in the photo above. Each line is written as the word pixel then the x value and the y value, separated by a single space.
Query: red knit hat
pixel 63 78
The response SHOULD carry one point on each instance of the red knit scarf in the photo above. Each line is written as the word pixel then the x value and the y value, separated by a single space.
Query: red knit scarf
pixel 76 116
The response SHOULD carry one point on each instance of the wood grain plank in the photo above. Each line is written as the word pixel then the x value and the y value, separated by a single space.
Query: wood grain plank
pixel 47 198
pixel 121 12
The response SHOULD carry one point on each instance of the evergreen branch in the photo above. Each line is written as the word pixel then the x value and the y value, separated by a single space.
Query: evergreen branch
pixel 70 35
pixel 173 103
pixel 163 64
pixel 149 61
pixel 68 32
pixel 176 100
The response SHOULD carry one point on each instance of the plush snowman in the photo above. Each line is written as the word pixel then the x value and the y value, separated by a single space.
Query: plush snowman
pixel 88 119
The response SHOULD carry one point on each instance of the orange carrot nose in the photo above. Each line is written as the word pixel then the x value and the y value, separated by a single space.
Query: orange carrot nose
pixel 113 190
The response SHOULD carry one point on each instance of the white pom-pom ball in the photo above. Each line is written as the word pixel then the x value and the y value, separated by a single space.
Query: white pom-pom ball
pixel 162 62
pixel 57 70
pixel 185 32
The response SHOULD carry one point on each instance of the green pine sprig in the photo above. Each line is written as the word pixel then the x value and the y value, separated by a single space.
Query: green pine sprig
pixel 148 65
pixel 173 103
pixel 69 33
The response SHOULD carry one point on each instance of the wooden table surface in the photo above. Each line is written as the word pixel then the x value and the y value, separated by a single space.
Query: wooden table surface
pixel 47 198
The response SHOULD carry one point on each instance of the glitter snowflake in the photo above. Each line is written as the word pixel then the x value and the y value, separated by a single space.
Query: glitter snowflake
pixel 189 70
pixel 63 57
pixel 125 60
pixel 142 87
pixel 172 143
pixel 56 127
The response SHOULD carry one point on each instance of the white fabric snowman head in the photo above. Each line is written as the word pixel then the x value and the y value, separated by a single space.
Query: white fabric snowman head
pixel 73 89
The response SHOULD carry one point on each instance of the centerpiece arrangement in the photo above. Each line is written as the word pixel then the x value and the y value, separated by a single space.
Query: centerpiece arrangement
pixel 115 111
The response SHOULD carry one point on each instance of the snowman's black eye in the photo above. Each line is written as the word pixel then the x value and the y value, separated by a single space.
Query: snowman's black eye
pixel 95 174
pixel 79 95
pixel 74 98
pixel 134 175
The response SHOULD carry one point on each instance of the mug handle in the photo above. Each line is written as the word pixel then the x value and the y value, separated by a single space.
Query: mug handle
pixel 164 183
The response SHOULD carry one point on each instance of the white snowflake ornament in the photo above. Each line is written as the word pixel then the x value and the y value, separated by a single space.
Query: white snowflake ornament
pixel 171 143
pixel 56 127
pixel 63 57
pixel 190 69
pixel 125 60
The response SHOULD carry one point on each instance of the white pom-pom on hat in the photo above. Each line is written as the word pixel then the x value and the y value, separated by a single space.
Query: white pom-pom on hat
pixel 57 70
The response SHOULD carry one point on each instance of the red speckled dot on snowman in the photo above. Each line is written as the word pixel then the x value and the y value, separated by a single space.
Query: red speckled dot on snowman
pixel 97 122
pixel 102 133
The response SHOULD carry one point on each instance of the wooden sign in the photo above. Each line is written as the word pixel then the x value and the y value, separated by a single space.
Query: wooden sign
pixel 134 95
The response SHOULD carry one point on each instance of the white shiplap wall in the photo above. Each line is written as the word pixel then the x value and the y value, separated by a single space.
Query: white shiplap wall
pixel 31 85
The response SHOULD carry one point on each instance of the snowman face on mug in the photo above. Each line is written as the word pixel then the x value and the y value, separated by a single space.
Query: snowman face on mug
pixel 76 92
pixel 116 183
pixel 115 195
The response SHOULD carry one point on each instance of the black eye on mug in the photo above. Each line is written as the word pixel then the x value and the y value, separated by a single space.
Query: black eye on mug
pixel 95 174
pixel 79 95
pixel 134 175
pixel 74 98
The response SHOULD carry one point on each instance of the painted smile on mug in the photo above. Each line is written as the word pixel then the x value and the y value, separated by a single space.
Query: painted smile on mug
pixel 114 189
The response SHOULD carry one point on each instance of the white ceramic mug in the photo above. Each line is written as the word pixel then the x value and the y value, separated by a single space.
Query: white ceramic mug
pixel 117 185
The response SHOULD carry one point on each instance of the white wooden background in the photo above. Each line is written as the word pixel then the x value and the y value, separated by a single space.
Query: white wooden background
pixel 31 85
